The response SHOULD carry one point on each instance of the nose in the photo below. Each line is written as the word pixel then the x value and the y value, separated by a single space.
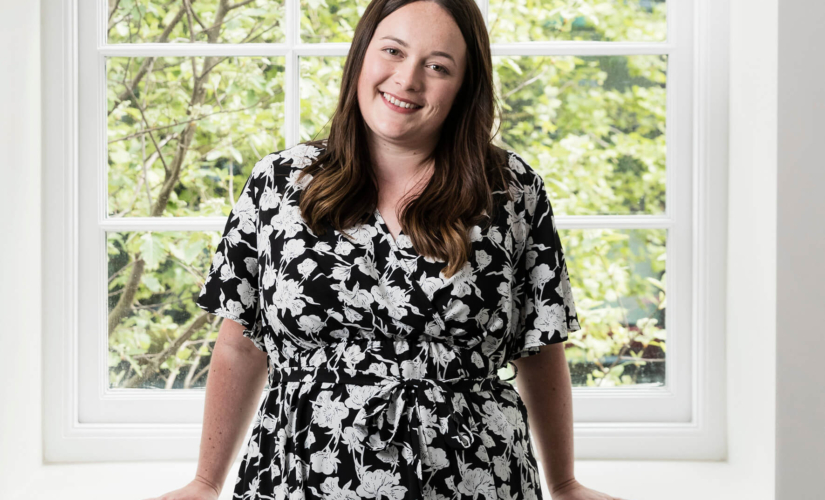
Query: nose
pixel 408 76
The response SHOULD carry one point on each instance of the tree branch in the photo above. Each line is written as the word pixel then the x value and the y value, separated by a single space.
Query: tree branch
pixel 153 366
pixel 151 136
pixel 523 84
pixel 239 4
pixel 124 303
pixel 112 11
pixel 195 14
pixel 164 36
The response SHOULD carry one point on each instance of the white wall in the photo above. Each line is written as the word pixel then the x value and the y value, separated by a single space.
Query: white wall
pixel 751 309
pixel 800 273
pixel 751 341
pixel 20 250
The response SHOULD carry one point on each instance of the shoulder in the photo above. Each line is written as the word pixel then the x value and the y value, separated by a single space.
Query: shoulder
pixel 521 171
pixel 285 160
pixel 281 168
pixel 302 154
pixel 526 183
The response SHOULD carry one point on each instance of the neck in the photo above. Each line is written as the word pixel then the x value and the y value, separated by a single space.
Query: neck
pixel 397 163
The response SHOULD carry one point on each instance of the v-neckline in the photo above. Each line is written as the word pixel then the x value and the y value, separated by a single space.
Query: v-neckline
pixel 393 241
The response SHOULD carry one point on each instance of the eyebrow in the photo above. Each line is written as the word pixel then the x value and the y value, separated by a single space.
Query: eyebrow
pixel 435 52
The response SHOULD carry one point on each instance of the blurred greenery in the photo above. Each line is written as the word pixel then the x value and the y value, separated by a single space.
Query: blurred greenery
pixel 515 21
pixel 185 132
pixel 204 21
pixel 206 128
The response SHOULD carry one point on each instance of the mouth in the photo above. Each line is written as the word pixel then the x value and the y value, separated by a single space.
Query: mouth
pixel 398 103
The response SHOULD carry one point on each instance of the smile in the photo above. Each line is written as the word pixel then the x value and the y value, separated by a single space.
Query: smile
pixel 397 105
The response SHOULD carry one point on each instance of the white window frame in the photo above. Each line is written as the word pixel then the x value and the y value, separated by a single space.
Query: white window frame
pixel 686 419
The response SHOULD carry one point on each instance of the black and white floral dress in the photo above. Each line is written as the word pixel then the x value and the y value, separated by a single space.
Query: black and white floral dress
pixel 382 373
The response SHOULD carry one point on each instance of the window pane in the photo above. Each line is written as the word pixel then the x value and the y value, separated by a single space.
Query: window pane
pixel 330 21
pixel 158 337
pixel 156 21
pixel 320 86
pixel 210 131
pixel 577 20
pixel 595 126
pixel 619 285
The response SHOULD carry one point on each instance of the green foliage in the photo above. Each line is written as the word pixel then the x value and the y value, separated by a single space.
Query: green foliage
pixel 185 132
pixel 260 21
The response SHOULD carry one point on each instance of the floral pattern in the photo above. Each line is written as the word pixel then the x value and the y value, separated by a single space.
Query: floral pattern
pixel 383 372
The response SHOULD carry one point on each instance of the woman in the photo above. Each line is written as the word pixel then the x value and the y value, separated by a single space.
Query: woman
pixel 383 276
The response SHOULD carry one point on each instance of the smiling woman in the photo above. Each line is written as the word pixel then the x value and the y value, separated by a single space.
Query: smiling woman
pixel 412 80
pixel 385 344
pixel 417 56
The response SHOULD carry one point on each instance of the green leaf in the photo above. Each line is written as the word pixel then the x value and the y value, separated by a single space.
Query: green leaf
pixel 151 250
pixel 193 250
pixel 175 251
pixel 152 283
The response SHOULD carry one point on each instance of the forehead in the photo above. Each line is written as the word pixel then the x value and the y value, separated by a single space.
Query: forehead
pixel 421 23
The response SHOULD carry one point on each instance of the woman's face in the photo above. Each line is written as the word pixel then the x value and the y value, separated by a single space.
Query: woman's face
pixel 417 54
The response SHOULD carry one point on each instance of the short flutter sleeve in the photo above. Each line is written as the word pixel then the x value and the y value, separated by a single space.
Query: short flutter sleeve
pixel 231 289
pixel 548 312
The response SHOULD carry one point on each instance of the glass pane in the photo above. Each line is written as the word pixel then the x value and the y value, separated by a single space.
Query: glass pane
pixel 158 337
pixel 320 86
pixel 593 126
pixel 619 285
pixel 577 20
pixel 210 131
pixel 156 21
pixel 330 21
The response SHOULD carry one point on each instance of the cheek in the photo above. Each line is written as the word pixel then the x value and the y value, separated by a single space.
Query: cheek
pixel 444 102
pixel 366 86
pixel 371 72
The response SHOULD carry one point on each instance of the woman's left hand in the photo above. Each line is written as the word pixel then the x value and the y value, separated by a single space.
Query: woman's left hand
pixel 573 490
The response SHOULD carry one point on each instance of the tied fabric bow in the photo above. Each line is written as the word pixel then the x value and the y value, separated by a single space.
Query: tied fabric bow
pixel 379 419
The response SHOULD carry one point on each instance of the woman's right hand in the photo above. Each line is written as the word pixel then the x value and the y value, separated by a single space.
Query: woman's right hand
pixel 198 489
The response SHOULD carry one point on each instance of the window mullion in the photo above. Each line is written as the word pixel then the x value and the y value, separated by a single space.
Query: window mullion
pixel 292 100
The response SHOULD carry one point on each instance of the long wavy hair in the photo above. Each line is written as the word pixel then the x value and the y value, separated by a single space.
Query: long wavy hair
pixel 468 168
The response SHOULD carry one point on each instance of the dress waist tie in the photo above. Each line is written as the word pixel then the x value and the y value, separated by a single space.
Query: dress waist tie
pixel 377 422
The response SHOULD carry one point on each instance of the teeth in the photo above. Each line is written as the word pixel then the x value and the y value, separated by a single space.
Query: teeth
pixel 399 103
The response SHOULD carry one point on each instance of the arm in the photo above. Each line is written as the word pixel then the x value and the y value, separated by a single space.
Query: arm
pixel 544 385
pixel 237 377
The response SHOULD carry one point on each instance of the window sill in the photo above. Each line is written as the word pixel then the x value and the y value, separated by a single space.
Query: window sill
pixel 674 480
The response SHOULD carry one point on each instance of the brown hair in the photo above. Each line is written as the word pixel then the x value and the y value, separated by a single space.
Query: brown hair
pixel 468 168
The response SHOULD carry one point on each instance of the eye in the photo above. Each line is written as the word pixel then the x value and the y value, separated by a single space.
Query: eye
pixel 440 70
